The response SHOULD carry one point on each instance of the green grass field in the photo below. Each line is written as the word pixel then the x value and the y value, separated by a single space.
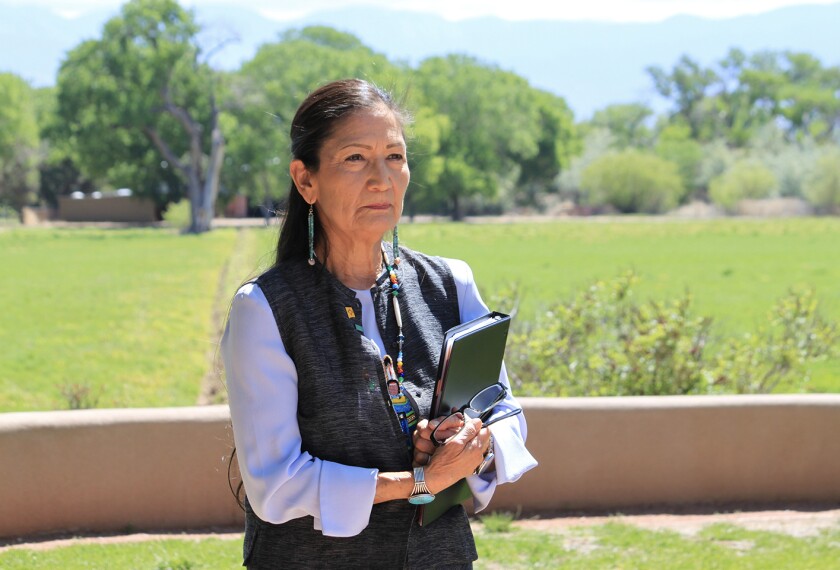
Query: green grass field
pixel 605 547
pixel 735 269
pixel 127 314
pixel 124 314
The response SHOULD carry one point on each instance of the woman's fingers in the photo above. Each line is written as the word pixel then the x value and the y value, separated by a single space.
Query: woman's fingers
pixel 424 445
pixel 466 436
pixel 421 458
pixel 458 457
pixel 443 427
pixel 421 431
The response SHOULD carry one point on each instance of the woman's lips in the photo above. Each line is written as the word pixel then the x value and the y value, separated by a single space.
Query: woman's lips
pixel 382 206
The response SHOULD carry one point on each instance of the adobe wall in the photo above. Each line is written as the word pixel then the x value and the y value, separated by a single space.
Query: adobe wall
pixel 113 470
pixel 106 209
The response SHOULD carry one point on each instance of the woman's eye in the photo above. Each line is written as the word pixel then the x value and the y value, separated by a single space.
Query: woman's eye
pixel 395 156
pixel 354 158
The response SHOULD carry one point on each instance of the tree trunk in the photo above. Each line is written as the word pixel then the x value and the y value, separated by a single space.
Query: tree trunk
pixel 209 191
pixel 202 185
pixel 457 215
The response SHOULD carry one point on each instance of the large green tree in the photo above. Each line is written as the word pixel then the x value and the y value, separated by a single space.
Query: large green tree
pixel 19 142
pixel 59 167
pixel 139 102
pixel 742 93
pixel 674 143
pixel 498 127
pixel 686 85
pixel 464 142
pixel 557 143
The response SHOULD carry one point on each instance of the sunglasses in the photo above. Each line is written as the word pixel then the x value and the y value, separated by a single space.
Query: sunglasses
pixel 479 406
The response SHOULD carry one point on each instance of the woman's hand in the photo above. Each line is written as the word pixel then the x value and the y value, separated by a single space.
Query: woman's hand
pixel 423 446
pixel 463 450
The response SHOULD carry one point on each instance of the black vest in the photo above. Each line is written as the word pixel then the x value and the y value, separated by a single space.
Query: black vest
pixel 344 411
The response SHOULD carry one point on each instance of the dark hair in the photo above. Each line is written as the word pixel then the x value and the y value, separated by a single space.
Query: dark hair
pixel 315 121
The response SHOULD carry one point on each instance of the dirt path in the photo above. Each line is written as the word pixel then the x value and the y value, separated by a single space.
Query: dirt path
pixel 119 539
pixel 794 522
pixel 798 523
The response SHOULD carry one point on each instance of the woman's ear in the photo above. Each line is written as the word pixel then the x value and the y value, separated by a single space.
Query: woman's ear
pixel 304 181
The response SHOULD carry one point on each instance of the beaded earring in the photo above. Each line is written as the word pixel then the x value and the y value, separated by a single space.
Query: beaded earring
pixel 311 223
pixel 396 247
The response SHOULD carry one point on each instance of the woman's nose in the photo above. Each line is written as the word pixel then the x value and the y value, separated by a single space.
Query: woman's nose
pixel 379 177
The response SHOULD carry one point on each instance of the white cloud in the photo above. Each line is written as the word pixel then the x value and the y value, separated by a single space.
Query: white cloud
pixel 609 10
pixel 67 13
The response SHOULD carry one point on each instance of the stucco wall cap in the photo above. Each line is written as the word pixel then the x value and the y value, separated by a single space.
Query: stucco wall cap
pixel 678 402
pixel 16 421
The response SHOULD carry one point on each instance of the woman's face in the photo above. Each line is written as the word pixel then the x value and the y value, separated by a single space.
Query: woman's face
pixel 359 187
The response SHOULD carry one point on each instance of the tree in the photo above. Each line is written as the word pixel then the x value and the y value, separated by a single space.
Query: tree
pixel 675 144
pixel 426 133
pixel 744 93
pixel 633 182
pixel 687 85
pixel 140 102
pixel 499 124
pixel 808 98
pixel 59 169
pixel 18 143
pixel 465 143
pixel 626 122
pixel 557 143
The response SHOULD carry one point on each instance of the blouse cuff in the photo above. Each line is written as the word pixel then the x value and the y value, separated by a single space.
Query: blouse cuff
pixel 512 458
pixel 482 487
pixel 346 499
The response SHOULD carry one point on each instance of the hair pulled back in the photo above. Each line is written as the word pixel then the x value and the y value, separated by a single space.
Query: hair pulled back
pixel 315 121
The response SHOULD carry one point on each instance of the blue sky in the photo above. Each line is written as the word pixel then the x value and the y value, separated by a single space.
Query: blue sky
pixel 603 10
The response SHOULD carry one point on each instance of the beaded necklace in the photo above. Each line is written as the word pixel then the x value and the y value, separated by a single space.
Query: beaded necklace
pixel 400 399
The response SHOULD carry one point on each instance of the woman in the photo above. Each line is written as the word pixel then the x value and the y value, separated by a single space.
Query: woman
pixel 314 345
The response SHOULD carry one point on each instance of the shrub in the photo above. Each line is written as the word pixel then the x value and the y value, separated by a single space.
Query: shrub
pixel 791 162
pixel 498 522
pixel 822 188
pixel 596 144
pixel 633 181
pixel 757 363
pixel 676 145
pixel 80 396
pixel 745 180
pixel 717 159
pixel 177 214
pixel 604 343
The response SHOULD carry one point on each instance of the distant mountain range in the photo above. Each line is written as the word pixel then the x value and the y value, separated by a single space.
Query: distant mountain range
pixel 591 64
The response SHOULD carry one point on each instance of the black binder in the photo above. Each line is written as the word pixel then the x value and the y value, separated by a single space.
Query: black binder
pixel 470 360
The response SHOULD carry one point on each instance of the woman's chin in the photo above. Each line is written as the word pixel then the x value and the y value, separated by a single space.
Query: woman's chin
pixel 377 222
